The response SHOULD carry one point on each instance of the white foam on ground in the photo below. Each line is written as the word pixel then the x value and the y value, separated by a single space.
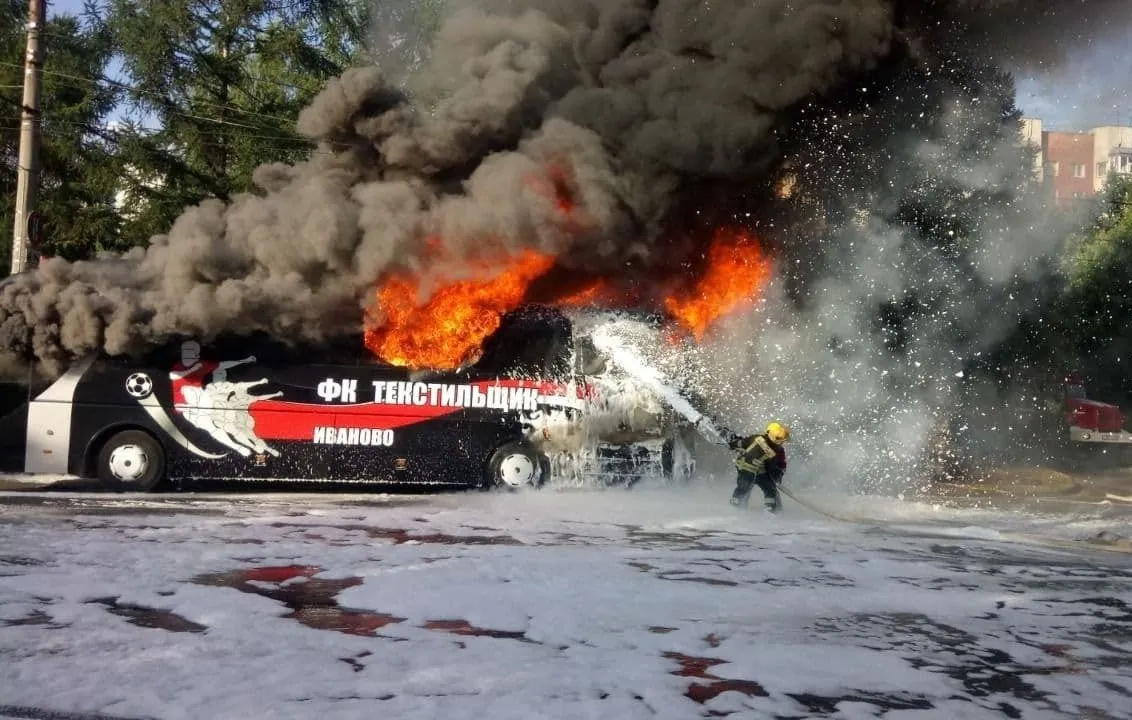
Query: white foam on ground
pixel 609 590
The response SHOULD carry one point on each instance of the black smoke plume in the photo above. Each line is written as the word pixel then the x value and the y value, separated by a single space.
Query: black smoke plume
pixel 652 117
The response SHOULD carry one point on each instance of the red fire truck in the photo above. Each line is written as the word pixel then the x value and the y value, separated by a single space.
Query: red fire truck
pixel 1092 421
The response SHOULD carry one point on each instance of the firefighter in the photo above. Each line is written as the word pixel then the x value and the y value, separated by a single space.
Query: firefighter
pixel 761 461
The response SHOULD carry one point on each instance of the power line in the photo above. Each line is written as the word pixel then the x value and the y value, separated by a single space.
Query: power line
pixel 218 121
pixel 133 89
pixel 111 129
pixel 119 128
pixel 261 79
pixel 193 116
pixel 202 118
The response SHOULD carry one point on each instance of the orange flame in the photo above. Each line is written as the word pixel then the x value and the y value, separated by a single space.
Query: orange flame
pixel 450 327
pixel 736 269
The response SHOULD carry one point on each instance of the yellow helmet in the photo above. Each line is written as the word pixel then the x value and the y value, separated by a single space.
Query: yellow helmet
pixel 777 432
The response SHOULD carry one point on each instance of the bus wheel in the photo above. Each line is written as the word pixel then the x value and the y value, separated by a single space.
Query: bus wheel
pixel 515 465
pixel 131 460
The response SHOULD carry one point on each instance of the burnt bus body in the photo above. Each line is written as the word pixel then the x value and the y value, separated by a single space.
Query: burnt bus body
pixel 255 408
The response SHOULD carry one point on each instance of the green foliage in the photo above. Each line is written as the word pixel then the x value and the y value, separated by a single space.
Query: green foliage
pixel 1099 296
pixel 79 169
pixel 223 81
pixel 208 91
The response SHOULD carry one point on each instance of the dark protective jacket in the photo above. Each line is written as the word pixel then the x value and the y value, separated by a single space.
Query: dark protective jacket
pixel 759 454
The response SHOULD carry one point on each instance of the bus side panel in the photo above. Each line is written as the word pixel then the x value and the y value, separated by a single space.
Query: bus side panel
pixel 273 419
pixel 431 442
pixel 401 449
pixel 309 461
pixel 94 423
pixel 49 423
pixel 449 449
pixel 103 406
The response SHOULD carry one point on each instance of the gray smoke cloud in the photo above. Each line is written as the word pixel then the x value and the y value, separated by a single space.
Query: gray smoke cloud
pixel 635 113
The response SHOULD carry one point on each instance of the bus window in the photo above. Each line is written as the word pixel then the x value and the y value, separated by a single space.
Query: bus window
pixel 541 355
pixel 530 342
pixel 39 380
pixel 276 353
pixel 534 353
pixel 13 392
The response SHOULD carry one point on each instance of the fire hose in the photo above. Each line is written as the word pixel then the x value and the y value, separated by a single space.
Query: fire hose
pixel 619 352
pixel 717 434
pixel 609 340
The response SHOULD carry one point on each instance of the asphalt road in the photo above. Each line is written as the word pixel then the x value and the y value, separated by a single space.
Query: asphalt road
pixel 598 604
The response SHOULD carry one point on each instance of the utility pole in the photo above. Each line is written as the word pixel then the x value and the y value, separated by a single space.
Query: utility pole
pixel 28 223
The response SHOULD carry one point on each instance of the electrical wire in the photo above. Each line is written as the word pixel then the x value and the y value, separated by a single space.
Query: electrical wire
pixel 195 116
pixel 201 118
pixel 299 144
pixel 116 128
pixel 130 88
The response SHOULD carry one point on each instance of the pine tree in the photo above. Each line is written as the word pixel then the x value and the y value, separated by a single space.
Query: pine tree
pixel 223 82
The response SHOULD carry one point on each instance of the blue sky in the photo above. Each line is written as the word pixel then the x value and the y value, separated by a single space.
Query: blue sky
pixel 1093 88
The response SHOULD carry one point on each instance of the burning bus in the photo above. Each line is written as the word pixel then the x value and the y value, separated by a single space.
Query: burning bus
pixel 539 403
pixel 475 381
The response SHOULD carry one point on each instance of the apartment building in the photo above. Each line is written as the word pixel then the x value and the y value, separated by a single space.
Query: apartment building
pixel 1069 165
pixel 1112 153
pixel 1076 165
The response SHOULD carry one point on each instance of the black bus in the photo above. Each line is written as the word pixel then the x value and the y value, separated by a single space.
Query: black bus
pixel 256 408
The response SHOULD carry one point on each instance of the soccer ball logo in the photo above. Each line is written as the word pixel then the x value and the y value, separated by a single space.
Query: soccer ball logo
pixel 139 385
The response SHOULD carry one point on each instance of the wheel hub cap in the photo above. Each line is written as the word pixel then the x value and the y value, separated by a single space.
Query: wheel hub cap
pixel 517 470
pixel 128 462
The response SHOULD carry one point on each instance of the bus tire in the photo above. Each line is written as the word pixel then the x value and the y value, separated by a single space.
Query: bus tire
pixel 515 465
pixel 131 461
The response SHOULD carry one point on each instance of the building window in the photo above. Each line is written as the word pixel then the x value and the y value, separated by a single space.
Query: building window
pixel 1056 168
pixel 1102 169
pixel 1078 170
